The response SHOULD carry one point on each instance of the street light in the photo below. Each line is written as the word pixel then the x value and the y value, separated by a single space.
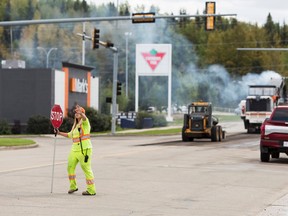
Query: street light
pixel 47 53
pixel 127 34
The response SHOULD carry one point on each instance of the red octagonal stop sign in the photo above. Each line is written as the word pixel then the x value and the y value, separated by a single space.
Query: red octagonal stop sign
pixel 56 116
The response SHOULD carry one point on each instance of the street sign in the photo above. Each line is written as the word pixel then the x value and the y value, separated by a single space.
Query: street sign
pixel 143 17
pixel 56 116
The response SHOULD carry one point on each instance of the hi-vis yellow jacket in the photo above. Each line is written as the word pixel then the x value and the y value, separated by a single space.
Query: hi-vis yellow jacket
pixel 84 135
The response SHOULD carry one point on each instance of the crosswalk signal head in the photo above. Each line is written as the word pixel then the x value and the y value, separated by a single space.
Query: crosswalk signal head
pixel 95 38
pixel 119 88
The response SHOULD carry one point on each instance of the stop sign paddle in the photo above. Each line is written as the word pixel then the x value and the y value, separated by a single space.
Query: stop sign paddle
pixel 56 116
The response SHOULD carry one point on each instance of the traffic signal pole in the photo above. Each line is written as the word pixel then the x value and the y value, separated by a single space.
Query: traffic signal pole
pixel 95 45
pixel 114 89
pixel 115 80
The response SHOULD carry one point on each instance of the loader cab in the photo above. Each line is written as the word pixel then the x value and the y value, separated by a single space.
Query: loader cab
pixel 201 111
pixel 201 108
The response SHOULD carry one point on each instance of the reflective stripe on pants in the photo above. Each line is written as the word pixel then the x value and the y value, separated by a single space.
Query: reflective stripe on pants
pixel 73 159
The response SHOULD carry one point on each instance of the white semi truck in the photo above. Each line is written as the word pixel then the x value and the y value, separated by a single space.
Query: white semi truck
pixel 260 102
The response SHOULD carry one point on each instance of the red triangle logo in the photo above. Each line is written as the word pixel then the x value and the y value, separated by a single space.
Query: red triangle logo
pixel 153 58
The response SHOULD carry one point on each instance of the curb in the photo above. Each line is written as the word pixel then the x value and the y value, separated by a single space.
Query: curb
pixel 18 147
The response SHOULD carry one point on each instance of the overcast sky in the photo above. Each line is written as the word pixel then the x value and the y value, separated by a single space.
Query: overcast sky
pixel 253 11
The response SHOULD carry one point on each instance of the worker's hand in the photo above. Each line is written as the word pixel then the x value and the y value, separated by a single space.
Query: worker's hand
pixel 78 109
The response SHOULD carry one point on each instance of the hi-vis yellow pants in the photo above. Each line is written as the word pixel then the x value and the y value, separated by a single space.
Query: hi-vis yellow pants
pixel 73 159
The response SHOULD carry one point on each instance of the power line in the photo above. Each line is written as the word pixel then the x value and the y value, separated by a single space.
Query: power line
pixel 262 49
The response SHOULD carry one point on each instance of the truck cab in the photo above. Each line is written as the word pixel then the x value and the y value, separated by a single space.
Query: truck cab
pixel 260 102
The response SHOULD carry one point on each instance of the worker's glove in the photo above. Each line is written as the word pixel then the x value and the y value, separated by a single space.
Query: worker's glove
pixel 56 131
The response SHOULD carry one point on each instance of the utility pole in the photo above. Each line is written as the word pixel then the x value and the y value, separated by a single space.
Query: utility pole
pixel 127 34
pixel 84 37
pixel 83 44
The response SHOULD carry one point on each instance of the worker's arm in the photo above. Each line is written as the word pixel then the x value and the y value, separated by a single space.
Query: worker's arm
pixel 61 133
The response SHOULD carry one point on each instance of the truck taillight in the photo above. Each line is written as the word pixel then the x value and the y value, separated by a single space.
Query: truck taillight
pixel 243 109
pixel 262 129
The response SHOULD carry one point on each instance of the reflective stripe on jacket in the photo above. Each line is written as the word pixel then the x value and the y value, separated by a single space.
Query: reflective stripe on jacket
pixel 84 135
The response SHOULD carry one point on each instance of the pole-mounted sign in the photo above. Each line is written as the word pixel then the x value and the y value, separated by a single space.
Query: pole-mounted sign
pixel 143 17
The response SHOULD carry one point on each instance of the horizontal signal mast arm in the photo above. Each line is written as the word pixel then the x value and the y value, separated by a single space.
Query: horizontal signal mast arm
pixel 94 19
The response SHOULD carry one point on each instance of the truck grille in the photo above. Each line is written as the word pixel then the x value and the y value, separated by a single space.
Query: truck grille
pixel 197 125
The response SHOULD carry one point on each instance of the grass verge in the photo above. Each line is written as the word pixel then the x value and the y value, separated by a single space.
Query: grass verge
pixel 8 142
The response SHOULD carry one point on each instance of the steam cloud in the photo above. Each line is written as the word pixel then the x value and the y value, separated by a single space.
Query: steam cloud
pixel 224 91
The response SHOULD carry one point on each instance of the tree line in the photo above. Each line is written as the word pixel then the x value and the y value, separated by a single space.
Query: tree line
pixel 195 51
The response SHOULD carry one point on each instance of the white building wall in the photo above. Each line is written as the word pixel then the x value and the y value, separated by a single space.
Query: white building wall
pixel 60 89
pixel 94 101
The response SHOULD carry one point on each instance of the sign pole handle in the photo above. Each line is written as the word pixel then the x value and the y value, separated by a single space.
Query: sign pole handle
pixel 56 118
pixel 52 181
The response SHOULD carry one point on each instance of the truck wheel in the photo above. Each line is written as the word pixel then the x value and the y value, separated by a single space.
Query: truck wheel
pixel 223 134
pixel 214 134
pixel 248 127
pixel 184 137
pixel 219 133
pixel 265 157
pixel 186 120
pixel 275 155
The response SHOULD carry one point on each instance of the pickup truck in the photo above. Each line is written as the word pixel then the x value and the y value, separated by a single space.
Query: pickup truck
pixel 274 134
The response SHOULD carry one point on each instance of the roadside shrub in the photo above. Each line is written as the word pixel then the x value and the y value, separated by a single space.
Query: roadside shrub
pixel 16 129
pixel 39 125
pixel 4 128
pixel 140 117
pixel 158 120
pixel 99 122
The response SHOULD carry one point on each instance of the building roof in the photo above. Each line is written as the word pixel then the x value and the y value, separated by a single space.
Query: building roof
pixel 77 66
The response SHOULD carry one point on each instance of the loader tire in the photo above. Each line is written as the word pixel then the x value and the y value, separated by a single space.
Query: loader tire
pixel 214 134
pixel 184 137
pixel 220 133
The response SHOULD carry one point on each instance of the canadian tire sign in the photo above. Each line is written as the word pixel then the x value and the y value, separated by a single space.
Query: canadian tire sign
pixel 153 59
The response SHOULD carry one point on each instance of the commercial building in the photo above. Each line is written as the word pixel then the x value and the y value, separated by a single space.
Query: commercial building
pixel 29 92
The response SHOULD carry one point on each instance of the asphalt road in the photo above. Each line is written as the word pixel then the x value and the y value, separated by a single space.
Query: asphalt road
pixel 147 176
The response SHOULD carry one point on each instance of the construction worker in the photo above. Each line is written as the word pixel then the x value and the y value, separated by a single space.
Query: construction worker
pixel 81 151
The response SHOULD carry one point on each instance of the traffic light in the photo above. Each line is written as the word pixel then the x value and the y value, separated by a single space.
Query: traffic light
pixel 109 44
pixel 95 38
pixel 119 88
pixel 210 20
